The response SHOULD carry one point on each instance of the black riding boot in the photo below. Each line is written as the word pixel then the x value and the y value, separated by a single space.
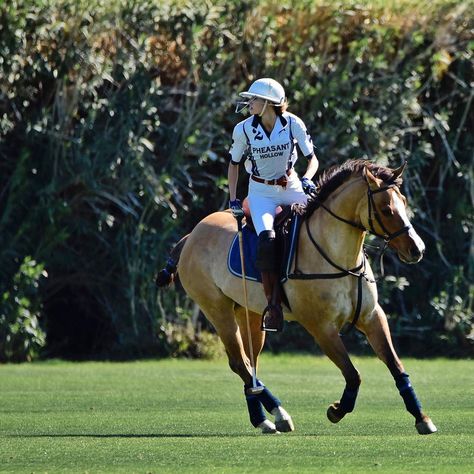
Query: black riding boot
pixel 272 318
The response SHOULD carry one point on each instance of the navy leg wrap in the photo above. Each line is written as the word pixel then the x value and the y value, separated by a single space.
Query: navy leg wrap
pixel 408 394
pixel 269 401
pixel 348 399
pixel 255 402
pixel 254 407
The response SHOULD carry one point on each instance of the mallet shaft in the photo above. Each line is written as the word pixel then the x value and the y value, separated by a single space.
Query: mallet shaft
pixel 244 285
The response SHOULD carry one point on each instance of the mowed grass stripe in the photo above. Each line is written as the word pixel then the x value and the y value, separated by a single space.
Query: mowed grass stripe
pixel 190 416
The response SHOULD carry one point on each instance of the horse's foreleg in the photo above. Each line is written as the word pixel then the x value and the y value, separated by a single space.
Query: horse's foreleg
pixel 330 342
pixel 378 333
pixel 272 404
pixel 222 317
pixel 239 362
pixel 257 336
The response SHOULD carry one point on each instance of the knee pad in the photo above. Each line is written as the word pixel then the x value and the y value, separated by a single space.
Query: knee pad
pixel 266 252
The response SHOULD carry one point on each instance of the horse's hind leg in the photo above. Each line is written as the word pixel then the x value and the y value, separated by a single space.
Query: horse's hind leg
pixel 377 331
pixel 329 340
pixel 283 421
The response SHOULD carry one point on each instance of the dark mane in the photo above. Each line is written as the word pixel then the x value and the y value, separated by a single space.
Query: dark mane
pixel 333 177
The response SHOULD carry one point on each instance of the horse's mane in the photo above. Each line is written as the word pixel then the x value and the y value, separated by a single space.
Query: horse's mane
pixel 333 177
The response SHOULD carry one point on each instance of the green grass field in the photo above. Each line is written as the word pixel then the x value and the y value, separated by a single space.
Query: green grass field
pixel 190 416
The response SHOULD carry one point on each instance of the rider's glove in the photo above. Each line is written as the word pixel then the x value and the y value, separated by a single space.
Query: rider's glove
pixel 236 208
pixel 308 186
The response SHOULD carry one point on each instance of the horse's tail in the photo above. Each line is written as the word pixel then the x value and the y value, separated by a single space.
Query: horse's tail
pixel 166 276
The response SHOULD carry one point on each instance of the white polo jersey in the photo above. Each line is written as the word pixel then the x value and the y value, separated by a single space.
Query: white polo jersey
pixel 270 156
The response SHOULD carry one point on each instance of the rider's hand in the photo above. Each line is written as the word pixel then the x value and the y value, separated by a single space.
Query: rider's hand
pixel 308 186
pixel 236 208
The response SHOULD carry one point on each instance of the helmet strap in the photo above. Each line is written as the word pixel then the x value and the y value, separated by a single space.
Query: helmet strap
pixel 264 108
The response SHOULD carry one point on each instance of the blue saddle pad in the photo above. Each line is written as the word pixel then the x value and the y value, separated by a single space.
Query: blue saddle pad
pixel 249 238
pixel 250 253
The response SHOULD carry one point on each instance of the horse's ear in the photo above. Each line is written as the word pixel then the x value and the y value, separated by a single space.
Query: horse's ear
pixel 373 182
pixel 398 172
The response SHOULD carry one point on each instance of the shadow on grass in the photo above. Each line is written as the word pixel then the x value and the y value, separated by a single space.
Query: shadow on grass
pixel 131 436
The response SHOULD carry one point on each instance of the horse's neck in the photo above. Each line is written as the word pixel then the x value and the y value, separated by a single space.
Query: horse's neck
pixel 341 242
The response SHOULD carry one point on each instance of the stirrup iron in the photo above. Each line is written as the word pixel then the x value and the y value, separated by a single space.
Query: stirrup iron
pixel 273 322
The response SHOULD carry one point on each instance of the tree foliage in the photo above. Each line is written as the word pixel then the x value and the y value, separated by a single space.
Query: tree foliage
pixel 115 126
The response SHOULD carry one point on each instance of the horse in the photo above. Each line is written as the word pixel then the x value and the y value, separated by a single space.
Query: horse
pixel 353 198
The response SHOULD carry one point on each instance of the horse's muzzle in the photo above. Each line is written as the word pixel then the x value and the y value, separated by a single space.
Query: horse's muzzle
pixel 413 248
pixel 415 255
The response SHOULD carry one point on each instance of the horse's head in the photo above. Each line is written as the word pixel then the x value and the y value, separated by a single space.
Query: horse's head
pixel 386 216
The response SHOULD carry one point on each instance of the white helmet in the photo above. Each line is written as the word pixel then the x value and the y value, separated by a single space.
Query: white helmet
pixel 265 88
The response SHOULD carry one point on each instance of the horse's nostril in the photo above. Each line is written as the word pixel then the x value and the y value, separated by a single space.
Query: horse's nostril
pixel 416 252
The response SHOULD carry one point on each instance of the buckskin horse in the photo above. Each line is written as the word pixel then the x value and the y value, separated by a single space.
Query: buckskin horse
pixel 331 284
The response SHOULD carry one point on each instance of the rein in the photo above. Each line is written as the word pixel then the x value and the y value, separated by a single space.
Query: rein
pixel 372 210
pixel 387 236
pixel 360 271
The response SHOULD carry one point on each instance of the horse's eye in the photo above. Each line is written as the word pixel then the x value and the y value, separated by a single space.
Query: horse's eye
pixel 387 212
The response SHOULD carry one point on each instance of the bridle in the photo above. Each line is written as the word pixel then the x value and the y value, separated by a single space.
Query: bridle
pixel 387 236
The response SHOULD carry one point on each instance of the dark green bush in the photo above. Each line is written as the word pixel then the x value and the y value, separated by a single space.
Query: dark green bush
pixel 115 124
pixel 21 337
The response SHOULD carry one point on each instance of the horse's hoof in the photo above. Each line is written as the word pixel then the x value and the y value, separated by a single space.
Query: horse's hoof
pixel 285 426
pixel 283 420
pixel 335 415
pixel 426 426
pixel 268 427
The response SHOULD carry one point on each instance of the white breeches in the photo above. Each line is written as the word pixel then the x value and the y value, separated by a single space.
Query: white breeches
pixel 265 198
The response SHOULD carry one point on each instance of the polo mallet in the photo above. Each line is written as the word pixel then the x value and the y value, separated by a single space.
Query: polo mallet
pixel 253 389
